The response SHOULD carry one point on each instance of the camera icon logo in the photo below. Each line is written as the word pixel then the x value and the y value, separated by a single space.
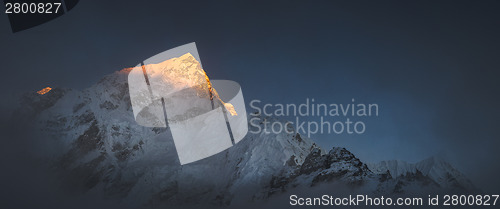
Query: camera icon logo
pixel 171 89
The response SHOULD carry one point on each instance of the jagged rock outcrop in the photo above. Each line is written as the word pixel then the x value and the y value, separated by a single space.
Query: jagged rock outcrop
pixel 98 146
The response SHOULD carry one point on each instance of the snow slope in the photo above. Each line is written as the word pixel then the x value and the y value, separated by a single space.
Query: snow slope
pixel 95 146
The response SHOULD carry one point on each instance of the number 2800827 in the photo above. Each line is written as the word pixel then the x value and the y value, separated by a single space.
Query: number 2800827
pixel 32 8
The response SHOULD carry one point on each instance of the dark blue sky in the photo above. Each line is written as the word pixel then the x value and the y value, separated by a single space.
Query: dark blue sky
pixel 431 67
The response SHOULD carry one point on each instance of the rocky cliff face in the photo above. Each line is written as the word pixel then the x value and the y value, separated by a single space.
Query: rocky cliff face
pixel 95 146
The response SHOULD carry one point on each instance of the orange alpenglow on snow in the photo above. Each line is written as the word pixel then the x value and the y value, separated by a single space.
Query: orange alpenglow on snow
pixel 185 71
pixel 229 107
pixel 44 90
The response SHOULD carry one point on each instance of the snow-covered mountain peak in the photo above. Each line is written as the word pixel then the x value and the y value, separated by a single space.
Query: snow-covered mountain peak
pixel 98 147
pixel 443 173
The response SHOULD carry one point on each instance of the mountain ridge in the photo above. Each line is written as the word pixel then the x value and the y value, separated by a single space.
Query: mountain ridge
pixel 97 146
